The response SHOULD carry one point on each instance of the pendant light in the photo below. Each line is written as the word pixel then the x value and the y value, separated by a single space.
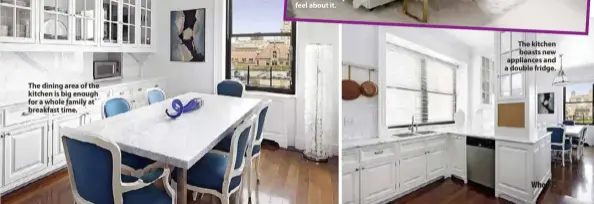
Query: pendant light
pixel 561 78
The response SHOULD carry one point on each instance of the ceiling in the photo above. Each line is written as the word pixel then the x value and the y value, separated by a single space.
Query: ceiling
pixel 481 40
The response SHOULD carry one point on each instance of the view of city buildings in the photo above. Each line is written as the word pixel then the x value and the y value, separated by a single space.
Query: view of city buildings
pixel 578 106
pixel 264 61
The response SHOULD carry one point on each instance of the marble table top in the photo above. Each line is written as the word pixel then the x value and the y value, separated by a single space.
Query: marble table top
pixel 574 130
pixel 148 132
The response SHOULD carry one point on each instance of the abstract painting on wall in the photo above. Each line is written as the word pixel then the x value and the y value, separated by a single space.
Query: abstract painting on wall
pixel 546 103
pixel 187 35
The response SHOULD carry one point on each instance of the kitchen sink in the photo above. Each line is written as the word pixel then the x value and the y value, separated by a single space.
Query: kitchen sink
pixel 425 132
pixel 408 134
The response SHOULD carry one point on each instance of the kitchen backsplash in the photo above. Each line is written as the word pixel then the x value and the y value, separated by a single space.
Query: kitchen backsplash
pixel 17 69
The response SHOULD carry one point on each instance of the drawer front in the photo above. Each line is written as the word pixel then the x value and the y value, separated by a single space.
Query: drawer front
pixel 161 83
pixel 18 115
pixel 377 152
pixel 350 158
pixel 434 144
pixel 412 148
pixel 121 92
pixel 138 102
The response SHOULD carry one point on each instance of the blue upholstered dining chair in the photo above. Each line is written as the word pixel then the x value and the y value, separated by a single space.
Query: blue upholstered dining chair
pixel 230 87
pixel 95 174
pixel 568 122
pixel 155 95
pixel 221 175
pixel 135 165
pixel 560 143
pixel 254 148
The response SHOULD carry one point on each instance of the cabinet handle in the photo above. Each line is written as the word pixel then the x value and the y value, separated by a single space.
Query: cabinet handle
pixel 379 152
pixel 357 169
pixel 7 134
pixel 156 85
pixel 1 135
pixel 25 113
pixel 139 89
pixel 121 93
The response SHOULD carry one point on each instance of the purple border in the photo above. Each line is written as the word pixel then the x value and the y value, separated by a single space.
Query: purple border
pixel 285 18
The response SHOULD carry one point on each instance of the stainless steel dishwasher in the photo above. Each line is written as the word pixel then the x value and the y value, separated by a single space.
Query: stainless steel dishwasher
pixel 480 161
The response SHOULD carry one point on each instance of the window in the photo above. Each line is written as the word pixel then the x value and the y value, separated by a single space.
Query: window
pixel 578 103
pixel 418 87
pixel 257 32
pixel 486 69
pixel 511 82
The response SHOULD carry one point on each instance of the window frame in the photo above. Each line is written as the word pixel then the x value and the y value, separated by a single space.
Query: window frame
pixel 424 58
pixel 565 104
pixel 228 59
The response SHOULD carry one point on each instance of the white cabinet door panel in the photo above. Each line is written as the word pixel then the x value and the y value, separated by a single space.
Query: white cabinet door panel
pixel 412 172
pixel 436 164
pixel 25 151
pixel 350 186
pixel 378 181
pixel 58 156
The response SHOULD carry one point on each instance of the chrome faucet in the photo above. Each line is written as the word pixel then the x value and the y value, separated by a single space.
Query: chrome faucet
pixel 413 127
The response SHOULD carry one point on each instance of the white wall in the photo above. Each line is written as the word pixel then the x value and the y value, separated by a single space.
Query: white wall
pixel 360 46
pixel 185 76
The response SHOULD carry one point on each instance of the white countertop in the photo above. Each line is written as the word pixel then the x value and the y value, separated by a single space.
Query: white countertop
pixel 149 133
pixel 486 134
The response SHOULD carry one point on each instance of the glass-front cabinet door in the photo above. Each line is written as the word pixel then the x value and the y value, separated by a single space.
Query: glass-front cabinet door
pixel 511 79
pixel 85 24
pixel 111 22
pixel 17 21
pixel 55 21
pixel 129 24
pixel 146 22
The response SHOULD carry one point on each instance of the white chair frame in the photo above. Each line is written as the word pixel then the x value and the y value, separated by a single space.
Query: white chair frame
pixel 563 152
pixel 579 147
pixel 225 196
pixel 234 80
pixel 250 158
pixel 129 170
pixel 118 190
pixel 153 89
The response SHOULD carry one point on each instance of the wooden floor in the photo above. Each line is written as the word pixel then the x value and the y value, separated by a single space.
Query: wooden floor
pixel 286 178
pixel 571 184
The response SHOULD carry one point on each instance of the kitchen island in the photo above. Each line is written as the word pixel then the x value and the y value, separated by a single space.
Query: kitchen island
pixel 386 168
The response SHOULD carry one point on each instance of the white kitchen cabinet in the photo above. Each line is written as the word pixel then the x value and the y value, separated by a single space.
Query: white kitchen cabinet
pixel 421 161
pixel 17 21
pixel 1 158
pixel 58 157
pixel 350 185
pixel 25 151
pixel 68 22
pixel 412 171
pixel 436 163
pixel 378 181
pixel 457 153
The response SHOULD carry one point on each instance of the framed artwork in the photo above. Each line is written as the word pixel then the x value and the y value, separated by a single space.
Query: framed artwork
pixel 546 103
pixel 188 35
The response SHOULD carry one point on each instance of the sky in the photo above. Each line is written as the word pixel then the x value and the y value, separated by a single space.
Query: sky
pixel 580 89
pixel 252 16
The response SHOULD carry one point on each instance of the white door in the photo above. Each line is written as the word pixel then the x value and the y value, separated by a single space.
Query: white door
pixel 436 163
pixel 378 181
pixel 413 171
pixel 25 151
pixel 350 185
pixel 458 155
pixel 58 157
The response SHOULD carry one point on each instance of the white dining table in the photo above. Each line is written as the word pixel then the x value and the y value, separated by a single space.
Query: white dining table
pixel 574 130
pixel 181 142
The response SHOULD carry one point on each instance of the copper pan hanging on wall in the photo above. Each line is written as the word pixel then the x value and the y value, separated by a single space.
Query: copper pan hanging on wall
pixel 350 88
pixel 369 88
